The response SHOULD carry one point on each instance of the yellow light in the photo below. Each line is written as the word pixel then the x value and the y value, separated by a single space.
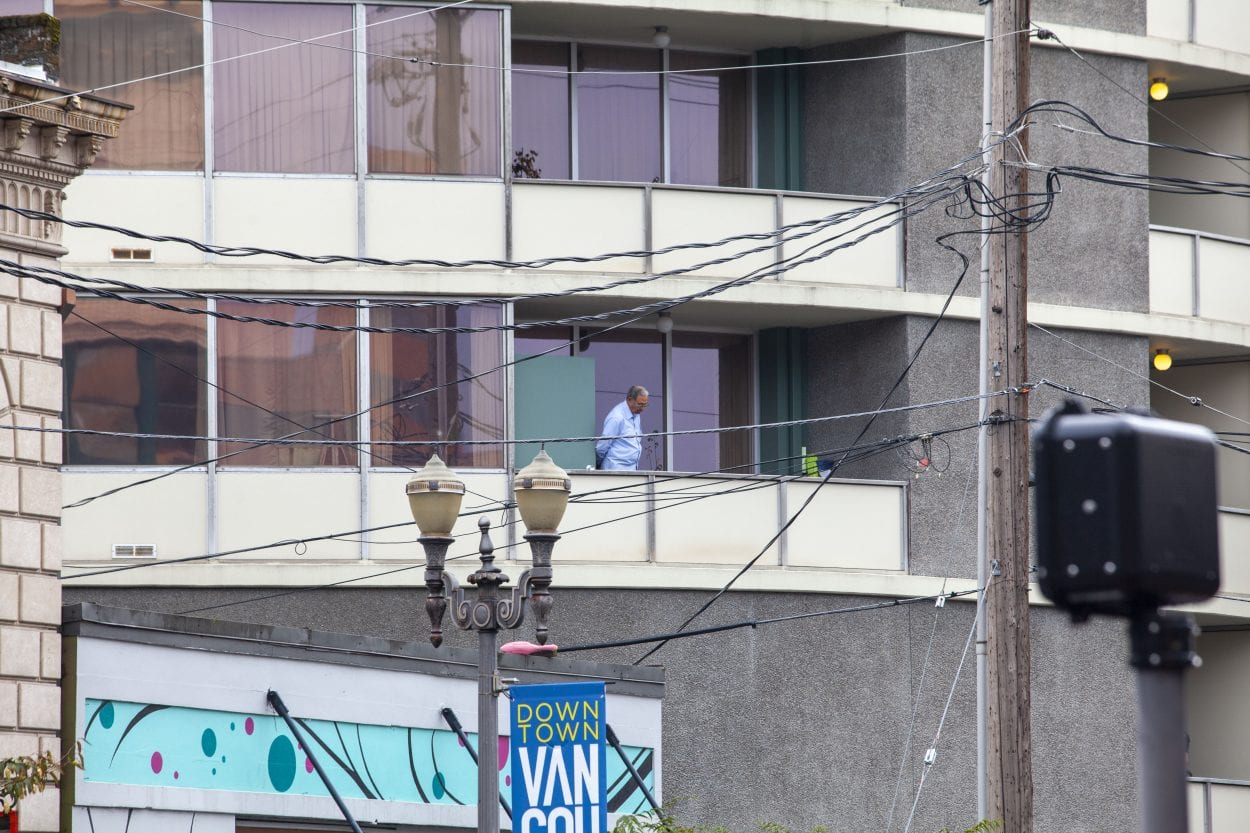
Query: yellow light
pixel 1162 360
pixel 1158 89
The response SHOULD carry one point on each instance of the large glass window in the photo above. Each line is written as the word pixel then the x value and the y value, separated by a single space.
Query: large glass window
pixel 624 358
pixel 277 380
pixel 619 101
pixel 709 114
pixel 414 390
pixel 540 111
pixel 711 389
pixel 133 369
pixel 104 42
pixel 286 107
pixel 618 114
pixel 434 90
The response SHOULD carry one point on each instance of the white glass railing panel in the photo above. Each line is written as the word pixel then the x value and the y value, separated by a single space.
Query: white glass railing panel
pixel 1235 553
pixel 305 215
pixel 168 515
pixel 155 203
pixel 434 219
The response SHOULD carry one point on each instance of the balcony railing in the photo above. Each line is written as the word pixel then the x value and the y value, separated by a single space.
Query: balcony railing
pixel 1193 273
pixel 453 220
pixel 645 518
pixel 1235 552
pixel 1218 806
pixel 1214 23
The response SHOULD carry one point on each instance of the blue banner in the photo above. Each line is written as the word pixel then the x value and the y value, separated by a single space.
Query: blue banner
pixel 559 759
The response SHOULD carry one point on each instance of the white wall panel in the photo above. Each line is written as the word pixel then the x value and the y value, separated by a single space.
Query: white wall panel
pixel 847 526
pixel 1223 24
pixel 1224 291
pixel 679 216
pixel 261 507
pixel 550 220
pixel 308 216
pixel 1171 273
pixel 623 539
pixel 872 262
pixel 1168 19
pixel 1235 553
pixel 170 514
pixel 1230 808
pixel 728 529
pixel 153 204
pixel 438 219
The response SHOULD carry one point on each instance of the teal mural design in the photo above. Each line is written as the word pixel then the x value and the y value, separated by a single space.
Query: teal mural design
pixel 152 745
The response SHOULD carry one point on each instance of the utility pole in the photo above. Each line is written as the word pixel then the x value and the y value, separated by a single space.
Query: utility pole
pixel 1009 765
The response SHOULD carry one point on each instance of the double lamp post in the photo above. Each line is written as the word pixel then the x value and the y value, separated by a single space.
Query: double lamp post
pixel 434 496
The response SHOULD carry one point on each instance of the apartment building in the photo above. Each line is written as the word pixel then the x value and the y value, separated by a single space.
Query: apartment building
pixel 412 153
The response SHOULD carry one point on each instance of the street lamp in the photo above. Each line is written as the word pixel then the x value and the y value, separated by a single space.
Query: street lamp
pixel 434 495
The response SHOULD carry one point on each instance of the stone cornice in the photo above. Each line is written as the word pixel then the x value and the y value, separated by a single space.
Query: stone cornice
pixel 48 105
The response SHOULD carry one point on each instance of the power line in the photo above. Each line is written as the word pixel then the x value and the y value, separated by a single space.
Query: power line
pixel 755 623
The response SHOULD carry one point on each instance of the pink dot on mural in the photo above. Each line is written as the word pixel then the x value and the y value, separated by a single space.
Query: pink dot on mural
pixel 461 741
pixel 175 775
pixel 503 751
pixel 308 767
pixel 507 780
pixel 249 725
pixel 157 762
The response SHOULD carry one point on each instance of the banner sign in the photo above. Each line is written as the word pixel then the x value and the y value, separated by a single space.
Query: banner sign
pixel 559 769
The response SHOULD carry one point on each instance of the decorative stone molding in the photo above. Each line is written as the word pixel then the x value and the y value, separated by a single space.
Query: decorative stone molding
pixel 86 148
pixel 14 133
pixel 51 140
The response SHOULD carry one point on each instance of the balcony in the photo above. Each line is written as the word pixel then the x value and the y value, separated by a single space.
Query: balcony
pixel 1201 275
pixel 643 519
pixel 460 219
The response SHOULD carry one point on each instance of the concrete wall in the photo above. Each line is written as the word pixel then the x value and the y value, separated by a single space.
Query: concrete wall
pixel 883 126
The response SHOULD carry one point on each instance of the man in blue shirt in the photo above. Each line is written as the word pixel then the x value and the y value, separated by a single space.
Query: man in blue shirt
pixel 621 446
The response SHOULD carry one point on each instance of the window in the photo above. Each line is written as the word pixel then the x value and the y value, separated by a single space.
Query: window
pixel 708 374
pixel 276 381
pixel 104 42
pixel 131 368
pixel 711 389
pixel 286 107
pixel 618 114
pixel 622 131
pixel 540 111
pixel 437 110
pixel 709 114
pixel 414 395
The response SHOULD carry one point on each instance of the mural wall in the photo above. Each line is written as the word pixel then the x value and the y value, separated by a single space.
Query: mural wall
pixel 153 745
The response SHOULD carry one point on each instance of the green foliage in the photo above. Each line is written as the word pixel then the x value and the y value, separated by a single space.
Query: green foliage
pixel 663 821
pixel 30 774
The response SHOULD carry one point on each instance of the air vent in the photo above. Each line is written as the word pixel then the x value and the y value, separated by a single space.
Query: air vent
pixel 132 254
pixel 134 551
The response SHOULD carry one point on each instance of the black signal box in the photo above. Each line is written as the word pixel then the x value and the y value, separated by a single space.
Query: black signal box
pixel 1126 512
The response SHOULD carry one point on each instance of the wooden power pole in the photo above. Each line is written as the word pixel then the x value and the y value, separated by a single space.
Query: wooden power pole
pixel 1009 756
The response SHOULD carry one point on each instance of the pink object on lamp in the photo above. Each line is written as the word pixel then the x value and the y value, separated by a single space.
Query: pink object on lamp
pixel 527 648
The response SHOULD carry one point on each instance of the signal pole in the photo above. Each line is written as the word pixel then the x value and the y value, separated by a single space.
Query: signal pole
pixel 1005 467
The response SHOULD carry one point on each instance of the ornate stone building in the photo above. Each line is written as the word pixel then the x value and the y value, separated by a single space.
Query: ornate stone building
pixel 47 138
